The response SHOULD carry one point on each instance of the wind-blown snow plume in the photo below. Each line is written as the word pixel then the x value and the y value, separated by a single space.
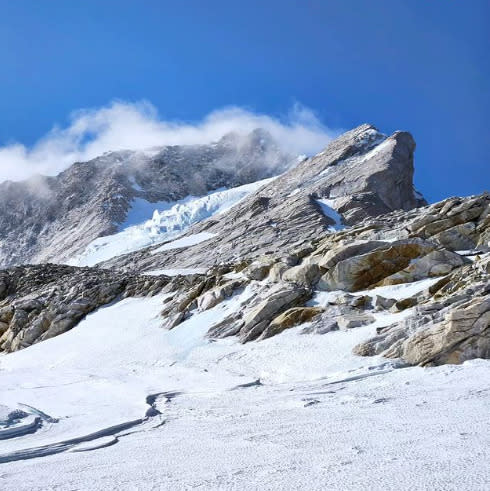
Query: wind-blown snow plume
pixel 124 125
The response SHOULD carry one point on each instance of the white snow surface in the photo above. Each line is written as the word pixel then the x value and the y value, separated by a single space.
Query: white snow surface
pixel 321 417
pixel 402 290
pixel 152 223
pixel 327 207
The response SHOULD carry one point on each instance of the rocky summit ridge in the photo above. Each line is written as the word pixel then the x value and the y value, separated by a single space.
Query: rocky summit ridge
pixel 330 244
pixel 361 174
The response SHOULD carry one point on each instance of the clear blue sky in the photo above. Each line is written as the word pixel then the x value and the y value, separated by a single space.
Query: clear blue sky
pixel 422 66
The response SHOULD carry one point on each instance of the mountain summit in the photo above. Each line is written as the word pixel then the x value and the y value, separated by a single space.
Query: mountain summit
pixel 247 296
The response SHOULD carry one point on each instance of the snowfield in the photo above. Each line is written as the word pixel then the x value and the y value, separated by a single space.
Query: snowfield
pixel 123 404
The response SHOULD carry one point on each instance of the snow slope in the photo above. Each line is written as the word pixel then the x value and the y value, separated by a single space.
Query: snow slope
pixel 152 223
pixel 327 207
pixel 275 414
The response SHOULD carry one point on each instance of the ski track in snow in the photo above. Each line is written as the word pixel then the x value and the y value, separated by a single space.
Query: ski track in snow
pixel 125 404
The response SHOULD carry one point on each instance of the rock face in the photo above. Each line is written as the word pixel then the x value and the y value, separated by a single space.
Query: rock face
pixel 53 218
pixel 463 334
pixel 278 299
pixel 290 318
pixel 361 174
pixel 364 270
pixel 451 325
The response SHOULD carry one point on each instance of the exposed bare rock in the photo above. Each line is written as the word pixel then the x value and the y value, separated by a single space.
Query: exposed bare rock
pixel 452 325
pixel 364 270
pixel 464 333
pixel 197 293
pixel 382 303
pixel 279 299
pixel 435 263
pixel 354 320
pixel 290 318
pixel 305 274
pixel 216 295
pixel 459 237
pixel 455 222
pixel 259 269
pixel 344 250
pixel 277 271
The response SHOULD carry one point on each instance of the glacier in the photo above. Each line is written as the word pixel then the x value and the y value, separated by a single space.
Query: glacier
pixel 153 223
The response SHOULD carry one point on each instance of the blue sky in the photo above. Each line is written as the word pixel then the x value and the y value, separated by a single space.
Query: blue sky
pixel 421 66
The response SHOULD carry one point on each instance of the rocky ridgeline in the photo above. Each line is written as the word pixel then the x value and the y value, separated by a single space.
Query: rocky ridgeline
pixel 280 248
pixel 362 174
pixel 51 219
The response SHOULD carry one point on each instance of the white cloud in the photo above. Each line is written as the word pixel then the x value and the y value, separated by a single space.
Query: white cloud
pixel 123 125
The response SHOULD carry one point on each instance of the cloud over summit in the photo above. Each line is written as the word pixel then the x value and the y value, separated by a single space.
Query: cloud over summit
pixel 123 125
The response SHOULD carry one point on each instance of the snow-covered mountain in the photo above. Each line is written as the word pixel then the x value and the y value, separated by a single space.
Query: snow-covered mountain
pixel 233 318
pixel 361 174
pixel 56 218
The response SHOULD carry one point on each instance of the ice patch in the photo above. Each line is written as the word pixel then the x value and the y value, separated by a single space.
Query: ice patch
pixel 140 211
pixel 153 223
pixel 327 208
pixel 400 291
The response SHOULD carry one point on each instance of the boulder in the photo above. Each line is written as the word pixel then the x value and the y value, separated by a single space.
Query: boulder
pixel 277 271
pixel 362 271
pixel 278 300
pixel 403 304
pixel 358 301
pixel 258 270
pixel 382 303
pixel 459 237
pixel 435 263
pixel 344 251
pixel 350 321
pixel 305 274
pixel 290 318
